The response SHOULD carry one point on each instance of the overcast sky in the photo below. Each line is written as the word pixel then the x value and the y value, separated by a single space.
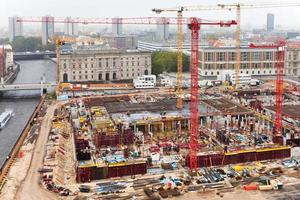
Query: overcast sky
pixel 288 17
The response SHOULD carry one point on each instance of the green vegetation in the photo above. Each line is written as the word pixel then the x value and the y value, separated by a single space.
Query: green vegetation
pixel 163 61
pixel 28 44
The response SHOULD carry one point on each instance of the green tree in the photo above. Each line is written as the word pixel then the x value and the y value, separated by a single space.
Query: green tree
pixel 21 43
pixel 163 61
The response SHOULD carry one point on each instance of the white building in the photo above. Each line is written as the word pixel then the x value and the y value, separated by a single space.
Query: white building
pixel 145 81
pixel 47 28
pixel 15 28
pixel 91 65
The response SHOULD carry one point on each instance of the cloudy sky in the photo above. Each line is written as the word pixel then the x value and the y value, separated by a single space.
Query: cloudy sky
pixel 288 17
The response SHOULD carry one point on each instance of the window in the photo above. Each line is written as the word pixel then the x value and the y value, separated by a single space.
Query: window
pixel 74 77
pixel 86 72
pixel 231 66
pixel 256 56
pixel 138 63
pixel 205 73
pixel 208 66
pixel 121 64
pixel 92 65
pixel 86 77
pixel 79 77
pixel 270 72
pixel 258 72
pixel 73 66
pixel 245 65
pixel 247 72
pixel 269 55
pixel 221 56
pixel 132 69
pixel 212 73
pixel 99 76
pixel 220 66
pixel 209 56
pixel 114 75
pixel 132 63
pixel 85 59
pixel 65 65
pixel 217 72
pixel 132 74
pixel 255 65
pixel 244 56
pixel 231 56
pixel 73 72
pixel 92 76
pixel 79 72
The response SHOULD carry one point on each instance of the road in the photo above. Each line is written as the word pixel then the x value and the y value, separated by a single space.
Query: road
pixel 30 188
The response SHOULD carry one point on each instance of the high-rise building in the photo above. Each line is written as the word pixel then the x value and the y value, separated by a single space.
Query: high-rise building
pixel 270 22
pixel 15 28
pixel 47 28
pixel 162 29
pixel 70 28
pixel 117 26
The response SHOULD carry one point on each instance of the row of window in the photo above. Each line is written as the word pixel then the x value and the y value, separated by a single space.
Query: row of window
pixel 92 59
pixel 245 56
pixel 247 72
pixel 243 66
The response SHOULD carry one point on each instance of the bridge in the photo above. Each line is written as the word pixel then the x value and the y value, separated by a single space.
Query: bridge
pixel 28 86
pixel 34 55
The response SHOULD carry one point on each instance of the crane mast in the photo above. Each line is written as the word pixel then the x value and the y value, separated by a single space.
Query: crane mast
pixel 179 59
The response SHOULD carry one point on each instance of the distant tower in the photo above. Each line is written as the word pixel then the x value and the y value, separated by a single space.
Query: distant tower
pixel 15 28
pixel 270 22
pixel 70 28
pixel 117 26
pixel 162 29
pixel 47 28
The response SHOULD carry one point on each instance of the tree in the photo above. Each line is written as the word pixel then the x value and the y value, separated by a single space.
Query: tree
pixel 163 61
pixel 21 43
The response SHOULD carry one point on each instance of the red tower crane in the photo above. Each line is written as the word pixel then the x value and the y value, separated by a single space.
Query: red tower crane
pixel 280 46
pixel 194 67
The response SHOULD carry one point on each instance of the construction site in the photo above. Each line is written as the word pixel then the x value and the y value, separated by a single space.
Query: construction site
pixel 226 141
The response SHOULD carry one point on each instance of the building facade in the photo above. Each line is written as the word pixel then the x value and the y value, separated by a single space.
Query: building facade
pixel 214 61
pixel 103 65
pixel 6 60
pixel 292 61
pixel 122 41
pixel 47 29
pixel 15 28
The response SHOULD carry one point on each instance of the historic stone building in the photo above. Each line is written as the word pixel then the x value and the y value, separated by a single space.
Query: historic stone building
pixel 91 65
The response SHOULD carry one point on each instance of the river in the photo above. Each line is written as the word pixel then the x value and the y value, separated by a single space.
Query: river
pixel 22 102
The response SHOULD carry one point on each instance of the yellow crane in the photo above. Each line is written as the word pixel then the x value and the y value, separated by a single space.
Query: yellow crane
pixel 179 103
pixel 235 6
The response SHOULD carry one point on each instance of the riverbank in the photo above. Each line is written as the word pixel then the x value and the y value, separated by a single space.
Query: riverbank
pixel 16 148
pixel 12 74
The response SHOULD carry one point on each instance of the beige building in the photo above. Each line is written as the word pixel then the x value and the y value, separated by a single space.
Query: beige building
pixel 91 65
pixel 292 61
pixel 213 61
